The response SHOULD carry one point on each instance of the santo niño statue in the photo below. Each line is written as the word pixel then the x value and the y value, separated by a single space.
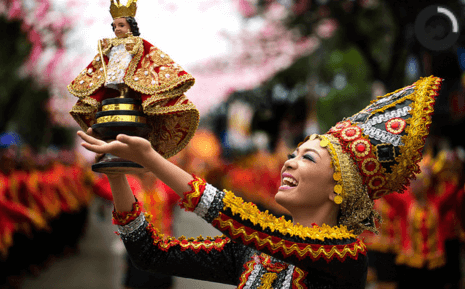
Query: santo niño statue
pixel 128 66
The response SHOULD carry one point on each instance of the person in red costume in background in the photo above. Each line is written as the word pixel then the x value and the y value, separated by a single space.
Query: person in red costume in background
pixel 44 200
pixel 415 231
pixel 448 171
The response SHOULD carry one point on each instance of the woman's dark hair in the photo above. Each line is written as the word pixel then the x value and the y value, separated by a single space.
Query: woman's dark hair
pixel 132 25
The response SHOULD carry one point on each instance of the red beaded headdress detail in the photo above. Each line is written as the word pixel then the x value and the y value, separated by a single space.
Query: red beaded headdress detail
pixel 385 140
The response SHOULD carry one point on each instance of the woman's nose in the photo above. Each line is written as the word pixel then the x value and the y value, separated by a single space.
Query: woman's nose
pixel 290 163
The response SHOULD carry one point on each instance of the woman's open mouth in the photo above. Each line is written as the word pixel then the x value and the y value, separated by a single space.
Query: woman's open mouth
pixel 288 182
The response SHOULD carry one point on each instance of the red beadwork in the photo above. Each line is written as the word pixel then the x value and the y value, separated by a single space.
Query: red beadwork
pixel 396 125
pixel 377 182
pixel 361 148
pixel 339 126
pixel 350 133
pixel 370 166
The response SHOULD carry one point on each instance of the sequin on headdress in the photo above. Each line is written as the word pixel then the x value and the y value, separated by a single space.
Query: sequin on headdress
pixel 377 150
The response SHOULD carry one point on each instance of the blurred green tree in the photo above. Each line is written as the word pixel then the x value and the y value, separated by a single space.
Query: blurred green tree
pixel 22 100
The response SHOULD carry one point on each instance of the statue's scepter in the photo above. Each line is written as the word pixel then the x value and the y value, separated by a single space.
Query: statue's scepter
pixel 103 60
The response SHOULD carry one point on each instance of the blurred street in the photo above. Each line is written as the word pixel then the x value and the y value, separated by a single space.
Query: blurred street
pixel 100 262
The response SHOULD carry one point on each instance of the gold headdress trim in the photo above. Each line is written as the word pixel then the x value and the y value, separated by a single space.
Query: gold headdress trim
pixel 117 10
pixel 356 206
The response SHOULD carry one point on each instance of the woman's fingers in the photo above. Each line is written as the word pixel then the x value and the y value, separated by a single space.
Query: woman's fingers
pixel 95 148
pixel 123 138
pixel 133 141
pixel 90 139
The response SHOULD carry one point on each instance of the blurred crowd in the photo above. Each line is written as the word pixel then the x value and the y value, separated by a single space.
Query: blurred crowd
pixel 44 200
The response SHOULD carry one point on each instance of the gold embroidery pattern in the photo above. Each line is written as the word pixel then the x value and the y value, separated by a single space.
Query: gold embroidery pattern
pixel 120 106
pixel 267 280
pixel 84 114
pixel 196 244
pixel 164 84
pixel 175 126
pixel 89 80
pixel 249 266
pixel 249 211
pixel 298 280
pixel 121 118
pixel 290 248
pixel 147 81
pixel 356 205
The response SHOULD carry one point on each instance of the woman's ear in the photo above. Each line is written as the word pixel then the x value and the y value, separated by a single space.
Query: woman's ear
pixel 332 195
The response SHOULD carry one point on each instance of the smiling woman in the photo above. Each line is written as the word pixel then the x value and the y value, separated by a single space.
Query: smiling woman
pixel 328 185
pixel 307 185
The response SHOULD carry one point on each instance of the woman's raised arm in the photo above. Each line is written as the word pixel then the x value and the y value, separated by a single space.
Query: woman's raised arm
pixel 139 150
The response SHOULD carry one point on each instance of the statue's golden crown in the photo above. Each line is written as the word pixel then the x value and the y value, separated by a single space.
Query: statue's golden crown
pixel 118 10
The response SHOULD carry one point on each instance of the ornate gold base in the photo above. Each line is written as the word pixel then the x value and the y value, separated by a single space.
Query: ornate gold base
pixel 110 164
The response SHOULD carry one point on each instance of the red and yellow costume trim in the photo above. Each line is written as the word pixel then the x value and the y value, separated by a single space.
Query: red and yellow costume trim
pixel 192 198
pixel 275 243
pixel 124 218
pixel 195 244
pixel 263 241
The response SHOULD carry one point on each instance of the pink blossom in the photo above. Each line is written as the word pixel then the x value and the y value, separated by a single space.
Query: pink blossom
pixel 36 51
pixel 246 9
pixel 34 37
pixel 42 9
pixel 327 27
pixel 16 10
pixel 275 11
pixel 49 70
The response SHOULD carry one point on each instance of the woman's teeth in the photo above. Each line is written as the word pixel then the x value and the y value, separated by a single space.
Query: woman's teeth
pixel 289 182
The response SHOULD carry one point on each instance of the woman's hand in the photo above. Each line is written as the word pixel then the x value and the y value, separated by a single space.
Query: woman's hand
pixel 139 150
pixel 127 147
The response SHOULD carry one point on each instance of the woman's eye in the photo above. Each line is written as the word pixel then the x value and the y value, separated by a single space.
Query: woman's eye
pixel 309 157
pixel 290 156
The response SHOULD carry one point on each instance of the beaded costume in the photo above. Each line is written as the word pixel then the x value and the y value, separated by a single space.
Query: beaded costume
pixel 254 248
pixel 374 153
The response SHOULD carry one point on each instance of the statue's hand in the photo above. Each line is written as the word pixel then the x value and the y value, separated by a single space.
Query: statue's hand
pixel 105 43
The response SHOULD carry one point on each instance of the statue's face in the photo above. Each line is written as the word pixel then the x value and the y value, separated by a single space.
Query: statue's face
pixel 121 27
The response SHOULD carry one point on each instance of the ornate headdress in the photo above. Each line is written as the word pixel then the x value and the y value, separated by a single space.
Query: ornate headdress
pixel 118 10
pixel 376 151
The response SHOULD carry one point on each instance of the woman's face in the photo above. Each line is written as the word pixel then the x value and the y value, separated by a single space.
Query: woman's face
pixel 121 27
pixel 306 178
